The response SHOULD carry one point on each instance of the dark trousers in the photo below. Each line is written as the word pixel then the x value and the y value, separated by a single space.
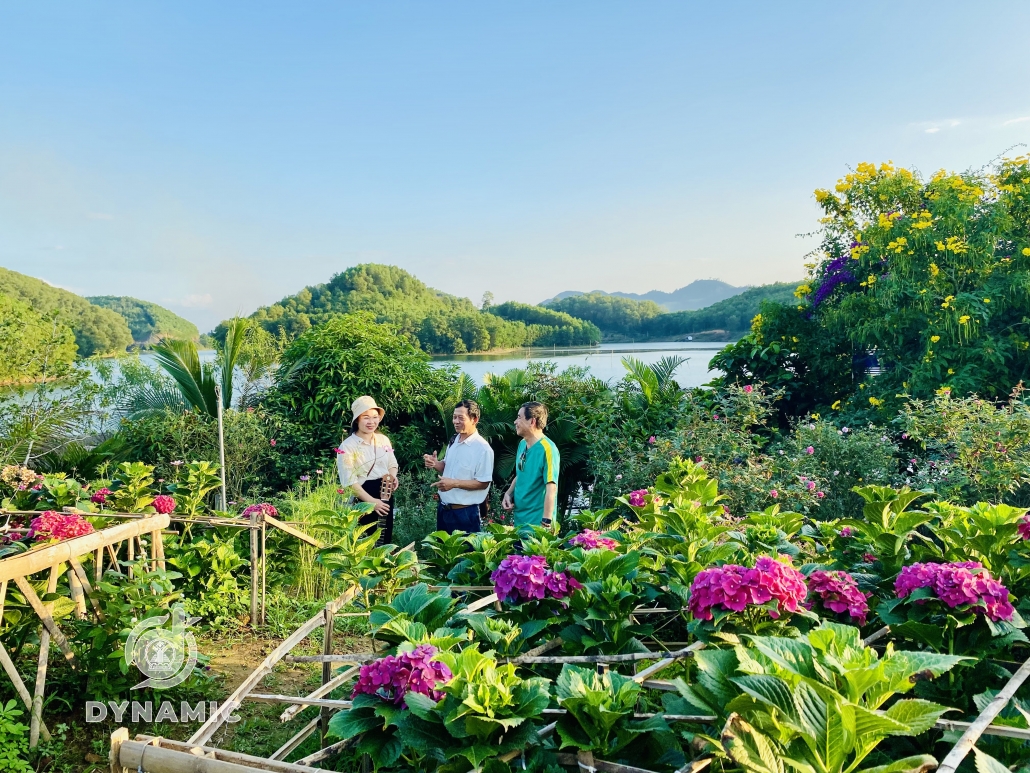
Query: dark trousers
pixel 462 519
pixel 385 523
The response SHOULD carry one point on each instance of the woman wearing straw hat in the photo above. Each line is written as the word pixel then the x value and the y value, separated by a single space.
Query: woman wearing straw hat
pixel 365 460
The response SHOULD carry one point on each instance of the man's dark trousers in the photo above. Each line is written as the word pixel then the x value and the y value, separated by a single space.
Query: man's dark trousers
pixel 461 519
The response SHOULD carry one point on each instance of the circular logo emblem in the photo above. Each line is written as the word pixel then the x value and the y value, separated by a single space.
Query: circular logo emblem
pixel 166 656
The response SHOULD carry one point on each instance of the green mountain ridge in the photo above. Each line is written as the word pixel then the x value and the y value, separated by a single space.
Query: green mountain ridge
pixel 441 323
pixel 620 317
pixel 148 322
pixel 97 330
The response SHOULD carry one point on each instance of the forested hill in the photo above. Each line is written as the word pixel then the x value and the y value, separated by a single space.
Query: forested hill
pixel 625 318
pixel 147 321
pixel 96 330
pixel 697 295
pixel 441 323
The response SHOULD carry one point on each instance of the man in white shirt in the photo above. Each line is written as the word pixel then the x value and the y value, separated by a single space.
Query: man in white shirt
pixel 466 472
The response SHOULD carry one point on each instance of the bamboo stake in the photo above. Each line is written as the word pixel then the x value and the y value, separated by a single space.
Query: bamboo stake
pixel 325 703
pixel 327 670
pixel 254 568
pixel 20 688
pixel 75 589
pixel 172 758
pixel 98 566
pixel 159 548
pixel 876 635
pixel 297 740
pixel 48 621
pixel 114 559
pixel 686 652
pixel 283 526
pixel 481 603
pixel 36 715
pixel 87 588
pixel 321 692
pixel 212 752
pixel 327 752
pixel 264 565
pixel 974 731
pixel 350 657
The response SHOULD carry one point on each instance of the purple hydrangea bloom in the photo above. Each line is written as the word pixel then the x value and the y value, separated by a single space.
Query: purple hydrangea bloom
pixel 528 578
pixel 590 539
pixel 733 588
pixel 393 676
pixel 838 592
pixel 638 498
pixel 962 583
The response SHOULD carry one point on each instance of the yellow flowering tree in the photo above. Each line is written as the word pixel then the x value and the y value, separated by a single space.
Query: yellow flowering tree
pixel 929 276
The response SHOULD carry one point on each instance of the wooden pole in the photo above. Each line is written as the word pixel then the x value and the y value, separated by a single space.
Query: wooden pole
pixel 980 724
pixel 264 565
pixel 75 589
pixel 98 566
pixel 297 740
pixel 254 569
pixel 43 613
pixel 173 757
pixel 20 688
pixel 36 715
pixel 327 671
pixel 321 692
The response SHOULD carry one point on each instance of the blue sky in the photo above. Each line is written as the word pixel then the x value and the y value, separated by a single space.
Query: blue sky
pixel 214 157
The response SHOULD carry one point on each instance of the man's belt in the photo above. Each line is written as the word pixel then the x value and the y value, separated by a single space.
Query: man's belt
pixel 458 507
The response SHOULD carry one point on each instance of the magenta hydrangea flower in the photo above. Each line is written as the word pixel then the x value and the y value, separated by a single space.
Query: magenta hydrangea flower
pixel 100 496
pixel 58 526
pixel 733 588
pixel 164 503
pixel 1024 527
pixel 838 592
pixel 638 498
pixel 264 508
pixel 588 539
pixel 393 676
pixel 961 583
pixel 847 531
pixel 526 578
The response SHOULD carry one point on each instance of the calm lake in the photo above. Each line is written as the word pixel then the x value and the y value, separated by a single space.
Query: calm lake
pixel 604 361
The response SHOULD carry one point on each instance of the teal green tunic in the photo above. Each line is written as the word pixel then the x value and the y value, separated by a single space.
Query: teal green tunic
pixel 535 467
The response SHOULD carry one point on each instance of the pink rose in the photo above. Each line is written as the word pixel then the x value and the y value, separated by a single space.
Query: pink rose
pixel 774 494
pixel 748 388
pixel 810 450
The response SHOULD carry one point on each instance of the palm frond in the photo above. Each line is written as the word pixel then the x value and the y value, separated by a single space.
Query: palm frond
pixel 180 360
pixel 229 355
pixel 149 399
pixel 666 367
pixel 643 376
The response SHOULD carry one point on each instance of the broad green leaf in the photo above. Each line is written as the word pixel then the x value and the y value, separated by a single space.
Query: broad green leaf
pixel 772 691
pixel 749 748
pixel 872 724
pixel 917 714
pixel 347 724
pixel 985 763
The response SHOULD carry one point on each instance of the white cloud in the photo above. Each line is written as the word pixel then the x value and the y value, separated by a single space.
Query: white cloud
pixel 1021 119
pixel 194 301
pixel 100 216
pixel 933 130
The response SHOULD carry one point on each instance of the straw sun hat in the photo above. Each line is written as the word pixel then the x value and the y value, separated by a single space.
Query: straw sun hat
pixel 365 403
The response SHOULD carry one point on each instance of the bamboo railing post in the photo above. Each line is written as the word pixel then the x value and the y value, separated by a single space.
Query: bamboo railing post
pixel 254 569
pixel 158 548
pixel 327 670
pixel 980 724
pixel 75 589
pixel 36 715
pixel 264 564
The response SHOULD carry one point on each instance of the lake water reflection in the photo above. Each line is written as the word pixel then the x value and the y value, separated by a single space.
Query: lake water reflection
pixel 604 361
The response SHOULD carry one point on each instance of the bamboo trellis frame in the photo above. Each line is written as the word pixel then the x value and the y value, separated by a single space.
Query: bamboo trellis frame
pixel 54 558
pixel 154 755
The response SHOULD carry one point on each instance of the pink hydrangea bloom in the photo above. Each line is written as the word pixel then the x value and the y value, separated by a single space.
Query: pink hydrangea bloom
pixel 58 526
pixel 393 676
pixel 164 503
pixel 838 592
pixel 100 496
pixel 527 578
pixel 266 509
pixel 748 388
pixel 590 539
pixel 1024 527
pixel 733 588
pixel 638 498
pixel 957 584
pixel 847 531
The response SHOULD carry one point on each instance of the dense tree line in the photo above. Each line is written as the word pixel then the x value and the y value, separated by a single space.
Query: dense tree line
pixel 31 344
pixel 441 323
pixel 97 330
pixel 147 321
pixel 624 317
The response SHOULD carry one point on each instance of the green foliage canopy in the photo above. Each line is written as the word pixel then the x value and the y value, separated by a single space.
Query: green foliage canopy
pixel 30 342
pixel 147 321
pixel 439 322
pixel 97 330
pixel 612 314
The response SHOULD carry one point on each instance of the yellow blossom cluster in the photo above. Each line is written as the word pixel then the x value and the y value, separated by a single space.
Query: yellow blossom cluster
pixel 802 291
pixel 954 245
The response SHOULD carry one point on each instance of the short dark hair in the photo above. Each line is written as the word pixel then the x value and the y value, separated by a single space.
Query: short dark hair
pixel 471 406
pixel 535 410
